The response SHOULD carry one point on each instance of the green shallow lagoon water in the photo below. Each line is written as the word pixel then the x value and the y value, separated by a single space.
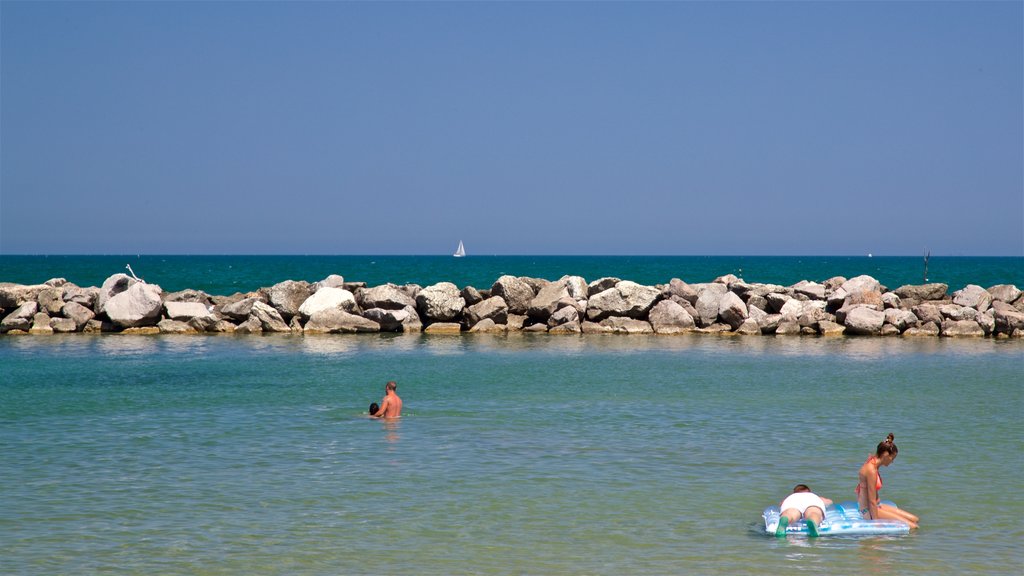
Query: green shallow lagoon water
pixel 516 455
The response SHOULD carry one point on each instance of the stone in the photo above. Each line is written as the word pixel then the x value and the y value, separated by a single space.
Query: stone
pixel 810 289
pixel 829 328
pixel 677 287
pixel 961 328
pixel 51 300
pixel 404 320
pixel 14 295
pixel 239 311
pixel 443 328
pixel 956 312
pixel 440 302
pixel 40 324
pixel 871 298
pixel 77 313
pixel 572 327
pixel 1007 319
pixel 270 319
pixel 287 297
pixel 755 301
pixel 96 326
pixel 336 320
pixel 987 321
pixel 112 286
pixel 63 325
pixel 626 298
pixel 85 296
pixel 471 295
pixel 812 316
pixel 538 327
pixel 1005 293
pixel 168 326
pixel 727 279
pixel 769 323
pixel 776 301
pixel 934 291
pixel 926 329
pixel 138 306
pixel 328 297
pixel 515 292
pixel 862 283
pixel 601 284
pixel 252 325
pixel 749 327
pixel 863 320
pixel 494 308
pixel 564 315
pixel 222 327
pixel 620 325
pixel 669 317
pixel 295 325
pixel 891 300
pixel 594 328
pixel 928 313
pixel 487 326
pixel 141 331
pixel 788 327
pixel 186 310
pixel 577 287
pixel 901 319
pixel 708 299
pixel 732 310
pixel 189 296
pixel 548 300
pixel 973 296
pixel 332 281
pixel 792 307
pixel 516 321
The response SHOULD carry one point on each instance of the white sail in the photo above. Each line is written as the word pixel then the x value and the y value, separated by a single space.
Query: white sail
pixel 460 251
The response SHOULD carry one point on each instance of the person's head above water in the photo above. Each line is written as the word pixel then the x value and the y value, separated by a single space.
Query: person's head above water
pixel 801 488
pixel 887 447
pixel 391 386
pixel 374 408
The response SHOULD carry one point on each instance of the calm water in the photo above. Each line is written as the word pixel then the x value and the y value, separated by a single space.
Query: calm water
pixel 517 454
pixel 230 274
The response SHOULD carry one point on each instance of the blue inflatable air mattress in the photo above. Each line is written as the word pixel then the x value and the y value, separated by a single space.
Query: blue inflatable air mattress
pixel 841 519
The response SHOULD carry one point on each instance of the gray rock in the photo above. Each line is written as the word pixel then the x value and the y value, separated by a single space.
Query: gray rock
pixel 516 321
pixel 926 329
pixel 727 279
pixel 600 285
pixel 565 315
pixel 287 297
pixel 961 328
pixel 139 305
pixel 594 328
pixel 269 318
pixel 889 330
pixel 487 326
pixel 404 320
pixel 168 326
pixel 252 325
pixel 987 321
pixel 901 319
pixel 332 281
pixel 538 327
pixel 515 292
pixel 862 283
pixel 619 325
pixel 732 310
pixel 189 296
pixel 677 287
pixel 472 296
pixel 872 298
pixel 78 314
pixel 63 325
pixel 668 317
pixel 239 311
pixel 336 320
pixel 572 327
pixel 891 300
pixel 788 327
pixel 1007 319
pixel 792 307
pixel 112 286
pixel 829 328
pixel 934 291
pixel 548 300
pixel 973 296
pixel 51 300
pixel 750 327
pixel 41 324
pixel 626 298
pixel 770 323
pixel 85 296
pixel 757 301
pixel 776 301
pixel 810 289
pixel 955 312
pixel 443 328
pixel 708 299
pixel 494 308
pixel 185 311
pixel 222 327
pixel 1005 293
pixel 328 297
pixel 812 316
pixel 440 302
pixel 577 287
pixel 864 320
pixel 14 295
pixel 295 325
pixel 928 313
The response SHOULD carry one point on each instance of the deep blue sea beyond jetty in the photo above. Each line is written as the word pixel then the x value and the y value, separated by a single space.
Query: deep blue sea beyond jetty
pixel 230 274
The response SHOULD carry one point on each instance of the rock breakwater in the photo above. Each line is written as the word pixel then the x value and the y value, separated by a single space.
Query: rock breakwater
pixel 858 306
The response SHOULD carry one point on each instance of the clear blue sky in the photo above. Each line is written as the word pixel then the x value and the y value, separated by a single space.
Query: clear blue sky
pixel 520 128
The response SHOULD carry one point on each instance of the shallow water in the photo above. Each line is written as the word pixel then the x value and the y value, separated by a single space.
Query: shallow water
pixel 516 454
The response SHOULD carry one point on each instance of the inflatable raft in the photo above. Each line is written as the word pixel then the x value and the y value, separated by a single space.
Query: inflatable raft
pixel 841 519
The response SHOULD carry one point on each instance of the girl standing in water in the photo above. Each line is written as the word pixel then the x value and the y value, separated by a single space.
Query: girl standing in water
pixel 870 482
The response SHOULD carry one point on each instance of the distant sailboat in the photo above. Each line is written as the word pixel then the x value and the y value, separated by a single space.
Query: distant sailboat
pixel 460 251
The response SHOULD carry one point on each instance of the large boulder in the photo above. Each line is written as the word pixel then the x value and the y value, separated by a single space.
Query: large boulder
pixel 287 297
pixel 677 287
pixel 620 325
pixel 732 310
pixel 494 308
pixel 627 299
pixel 515 292
pixel 862 283
pixel 77 313
pixel 63 325
pixel 956 328
pixel 332 281
pixel 901 319
pixel 1007 318
pixel 564 315
pixel 776 301
pixel 168 326
pixel 85 296
pixel 14 295
pixel 386 296
pixel 601 284
pixel 928 313
pixel 41 324
pixel 240 311
pixel 1004 293
pixel 864 320
pixel 404 320
pixel 336 320
pixel 189 295
pixel 51 300
pixel 440 302
pixel 577 287
pixel 139 305
pixel 957 312
pixel 933 291
pixel 328 297
pixel 21 318
pixel 548 300
pixel 973 296
pixel 269 318
pixel 471 295
pixel 669 317
pixel 709 296
pixel 187 310
pixel 812 290
pixel 113 286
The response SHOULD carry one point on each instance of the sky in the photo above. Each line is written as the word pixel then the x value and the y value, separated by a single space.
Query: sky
pixel 689 128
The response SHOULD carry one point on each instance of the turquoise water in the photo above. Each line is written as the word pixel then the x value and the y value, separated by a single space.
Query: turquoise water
pixel 516 455
pixel 230 274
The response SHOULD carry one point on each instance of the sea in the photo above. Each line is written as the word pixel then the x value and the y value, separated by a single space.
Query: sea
pixel 515 454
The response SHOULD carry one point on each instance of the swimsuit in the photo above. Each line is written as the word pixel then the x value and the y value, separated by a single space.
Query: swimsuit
pixel 802 501
pixel 878 485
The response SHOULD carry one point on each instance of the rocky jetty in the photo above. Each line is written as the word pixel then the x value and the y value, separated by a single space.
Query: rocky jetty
pixel 858 306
